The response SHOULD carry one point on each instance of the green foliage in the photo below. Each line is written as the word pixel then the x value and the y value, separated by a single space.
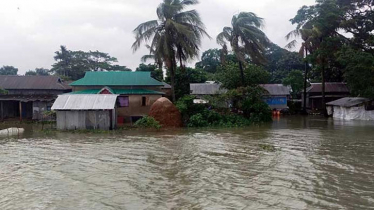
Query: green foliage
pixel 210 60
pixel 245 37
pixel 256 109
pixel 38 72
pixel 295 79
pixel 148 122
pixel 359 71
pixel 183 79
pixel 281 62
pixel 156 73
pixel 213 58
pixel 8 70
pixel 209 118
pixel 3 92
pixel 229 75
pixel 197 121
pixel 74 64
pixel 249 100
pixel 187 107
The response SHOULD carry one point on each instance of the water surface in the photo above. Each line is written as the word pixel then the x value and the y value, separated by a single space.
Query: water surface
pixel 317 164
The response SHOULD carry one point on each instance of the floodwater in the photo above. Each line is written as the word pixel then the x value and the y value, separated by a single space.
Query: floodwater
pixel 317 164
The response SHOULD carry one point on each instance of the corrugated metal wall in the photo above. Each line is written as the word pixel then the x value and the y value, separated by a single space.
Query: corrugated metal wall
pixel 81 120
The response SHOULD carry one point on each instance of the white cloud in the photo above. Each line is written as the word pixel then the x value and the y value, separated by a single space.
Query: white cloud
pixel 31 31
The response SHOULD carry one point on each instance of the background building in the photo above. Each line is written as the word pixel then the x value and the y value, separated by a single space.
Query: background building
pixel 333 91
pixel 28 97
pixel 277 96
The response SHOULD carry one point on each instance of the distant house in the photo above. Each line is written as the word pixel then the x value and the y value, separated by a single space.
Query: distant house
pixel 136 91
pixel 80 112
pixel 277 95
pixel 28 97
pixel 351 109
pixel 200 90
pixel 333 91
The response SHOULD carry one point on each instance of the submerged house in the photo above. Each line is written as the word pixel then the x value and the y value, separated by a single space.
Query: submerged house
pixel 135 92
pixel 277 95
pixel 201 90
pixel 351 109
pixel 333 91
pixel 28 97
pixel 79 112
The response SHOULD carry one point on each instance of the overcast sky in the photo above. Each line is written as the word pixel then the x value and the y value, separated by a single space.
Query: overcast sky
pixel 32 30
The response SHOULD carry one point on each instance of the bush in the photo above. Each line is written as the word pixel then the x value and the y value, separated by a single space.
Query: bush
pixel 187 108
pixel 197 120
pixel 256 110
pixel 148 122
pixel 209 118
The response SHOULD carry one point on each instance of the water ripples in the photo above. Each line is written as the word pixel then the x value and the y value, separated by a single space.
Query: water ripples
pixel 314 166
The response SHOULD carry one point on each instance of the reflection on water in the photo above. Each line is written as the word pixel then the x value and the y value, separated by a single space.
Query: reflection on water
pixel 318 164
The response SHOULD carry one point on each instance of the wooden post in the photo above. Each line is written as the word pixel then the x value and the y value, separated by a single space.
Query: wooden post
pixel 20 111
pixel 2 111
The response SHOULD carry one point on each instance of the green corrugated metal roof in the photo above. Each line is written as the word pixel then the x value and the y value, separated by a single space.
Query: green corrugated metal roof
pixel 117 78
pixel 121 92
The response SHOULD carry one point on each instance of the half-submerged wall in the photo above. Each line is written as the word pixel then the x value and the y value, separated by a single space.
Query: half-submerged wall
pixel 81 120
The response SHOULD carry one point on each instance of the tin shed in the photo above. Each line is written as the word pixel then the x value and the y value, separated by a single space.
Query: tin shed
pixel 79 112
pixel 351 109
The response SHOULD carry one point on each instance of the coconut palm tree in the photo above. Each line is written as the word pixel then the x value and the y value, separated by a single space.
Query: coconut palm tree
pixel 176 34
pixel 309 35
pixel 152 56
pixel 246 39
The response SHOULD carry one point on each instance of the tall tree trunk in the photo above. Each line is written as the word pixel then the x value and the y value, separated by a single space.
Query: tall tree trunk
pixel 305 81
pixel 323 89
pixel 241 73
pixel 172 78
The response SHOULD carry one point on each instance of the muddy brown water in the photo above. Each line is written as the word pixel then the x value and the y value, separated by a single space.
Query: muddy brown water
pixel 317 164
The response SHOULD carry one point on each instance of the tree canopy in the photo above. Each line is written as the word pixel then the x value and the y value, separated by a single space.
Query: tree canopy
pixel 183 79
pixel 38 72
pixel 229 76
pixel 74 64
pixel 175 35
pixel 156 73
pixel 8 70
pixel 246 39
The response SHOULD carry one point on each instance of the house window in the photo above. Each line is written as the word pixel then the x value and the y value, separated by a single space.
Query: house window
pixel 123 101
pixel 144 101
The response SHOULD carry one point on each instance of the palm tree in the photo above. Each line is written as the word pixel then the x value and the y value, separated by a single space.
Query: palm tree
pixel 309 36
pixel 246 39
pixel 152 56
pixel 176 34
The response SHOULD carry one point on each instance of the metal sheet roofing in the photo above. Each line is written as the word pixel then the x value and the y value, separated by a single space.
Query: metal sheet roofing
pixel 206 89
pixel 276 89
pixel 348 102
pixel 10 82
pixel 117 78
pixel 27 98
pixel 85 102
pixel 331 87
pixel 120 92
